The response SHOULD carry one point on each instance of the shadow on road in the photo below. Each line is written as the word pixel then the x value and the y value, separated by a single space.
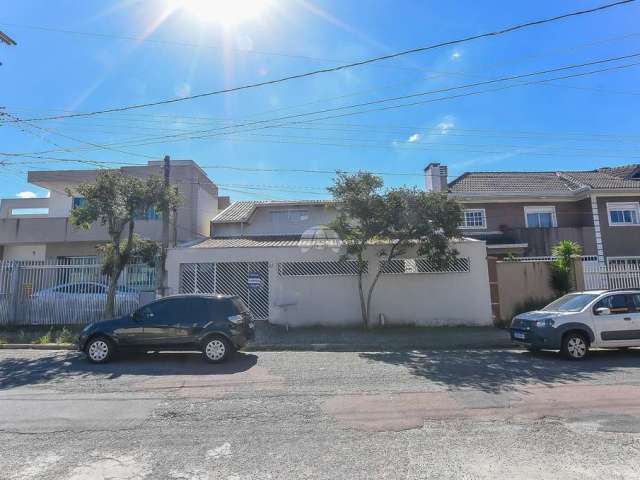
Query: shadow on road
pixel 499 370
pixel 18 371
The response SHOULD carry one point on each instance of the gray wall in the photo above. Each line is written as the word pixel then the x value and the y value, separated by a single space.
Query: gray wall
pixel 422 299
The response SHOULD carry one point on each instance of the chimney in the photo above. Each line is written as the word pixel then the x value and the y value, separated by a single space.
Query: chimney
pixel 435 176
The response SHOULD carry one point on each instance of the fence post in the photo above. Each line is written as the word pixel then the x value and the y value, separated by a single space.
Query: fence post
pixel 14 292
pixel 578 273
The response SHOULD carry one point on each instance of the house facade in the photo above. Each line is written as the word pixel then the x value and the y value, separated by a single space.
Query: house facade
pixel 286 264
pixel 39 228
pixel 526 213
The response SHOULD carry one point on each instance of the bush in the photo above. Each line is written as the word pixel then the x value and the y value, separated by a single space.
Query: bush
pixel 65 336
pixel 4 340
pixel 46 338
pixel 529 304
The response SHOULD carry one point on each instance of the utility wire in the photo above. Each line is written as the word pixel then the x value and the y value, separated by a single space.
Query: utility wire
pixel 345 66
pixel 201 134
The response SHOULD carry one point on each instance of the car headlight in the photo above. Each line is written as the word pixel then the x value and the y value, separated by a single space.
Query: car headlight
pixel 545 323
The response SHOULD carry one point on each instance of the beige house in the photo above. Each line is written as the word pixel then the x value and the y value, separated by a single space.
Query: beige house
pixel 526 213
pixel 39 228
pixel 284 262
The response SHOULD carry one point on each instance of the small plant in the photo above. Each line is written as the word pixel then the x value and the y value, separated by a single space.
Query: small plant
pixel 46 338
pixel 562 266
pixel 530 304
pixel 4 340
pixel 22 336
pixel 65 336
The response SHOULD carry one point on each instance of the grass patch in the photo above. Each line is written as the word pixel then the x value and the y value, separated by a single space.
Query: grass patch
pixel 40 334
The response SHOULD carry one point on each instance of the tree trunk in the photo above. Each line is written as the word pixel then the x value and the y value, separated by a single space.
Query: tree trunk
pixel 370 293
pixel 119 262
pixel 111 295
pixel 363 306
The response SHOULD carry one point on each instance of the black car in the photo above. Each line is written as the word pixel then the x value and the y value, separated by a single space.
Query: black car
pixel 214 324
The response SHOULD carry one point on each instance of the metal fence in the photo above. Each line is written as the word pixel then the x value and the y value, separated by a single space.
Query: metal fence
pixel 248 280
pixel 612 275
pixel 58 293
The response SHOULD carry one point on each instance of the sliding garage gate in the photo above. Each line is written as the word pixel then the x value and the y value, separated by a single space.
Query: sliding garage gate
pixel 248 280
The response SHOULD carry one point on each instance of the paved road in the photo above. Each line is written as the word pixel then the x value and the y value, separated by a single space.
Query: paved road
pixel 298 415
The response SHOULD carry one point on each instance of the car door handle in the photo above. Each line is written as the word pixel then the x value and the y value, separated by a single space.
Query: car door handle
pixel 627 319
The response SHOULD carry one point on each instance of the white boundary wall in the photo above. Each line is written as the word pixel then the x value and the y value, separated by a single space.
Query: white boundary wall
pixel 425 299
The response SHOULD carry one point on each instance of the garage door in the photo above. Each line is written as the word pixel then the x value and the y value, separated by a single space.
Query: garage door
pixel 248 280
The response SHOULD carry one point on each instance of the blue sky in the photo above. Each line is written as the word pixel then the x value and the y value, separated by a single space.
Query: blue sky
pixel 576 123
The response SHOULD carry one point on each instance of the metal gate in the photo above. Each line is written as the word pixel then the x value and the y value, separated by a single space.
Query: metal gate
pixel 47 293
pixel 248 280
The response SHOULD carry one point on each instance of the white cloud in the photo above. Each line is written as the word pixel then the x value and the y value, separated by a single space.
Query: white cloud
pixel 26 194
pixel 414 138
pixel 445 126
pixel 455 55
pixel 183 90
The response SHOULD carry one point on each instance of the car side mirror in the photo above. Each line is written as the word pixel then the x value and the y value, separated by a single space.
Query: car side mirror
pixel 603 311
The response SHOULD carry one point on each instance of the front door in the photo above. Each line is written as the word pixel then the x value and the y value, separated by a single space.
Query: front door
pixel 621 327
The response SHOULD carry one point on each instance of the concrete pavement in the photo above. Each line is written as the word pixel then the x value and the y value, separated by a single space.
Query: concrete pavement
pixel 416 414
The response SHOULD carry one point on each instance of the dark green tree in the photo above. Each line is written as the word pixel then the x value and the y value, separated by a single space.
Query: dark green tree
pixel 562 268
pixel 393 221
pixel 115 201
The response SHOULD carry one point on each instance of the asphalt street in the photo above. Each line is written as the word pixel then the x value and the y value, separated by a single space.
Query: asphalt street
pixel 297 415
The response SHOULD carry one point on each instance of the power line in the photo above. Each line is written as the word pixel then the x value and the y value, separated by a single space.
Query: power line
pixel 200 134
pixel 345 66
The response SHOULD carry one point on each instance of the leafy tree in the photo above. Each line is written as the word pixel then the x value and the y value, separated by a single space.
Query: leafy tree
pixel 395 221
pixel 562 267
pixel 116 201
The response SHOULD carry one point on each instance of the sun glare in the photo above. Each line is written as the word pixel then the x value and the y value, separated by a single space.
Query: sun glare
pixel 227 13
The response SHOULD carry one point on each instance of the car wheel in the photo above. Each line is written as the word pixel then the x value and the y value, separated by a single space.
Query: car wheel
pixel 216 349
pixel 99 350
pixel 575 346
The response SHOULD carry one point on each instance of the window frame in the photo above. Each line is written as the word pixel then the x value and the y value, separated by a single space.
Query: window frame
pixel 483 213
pixel 630 304
pixel 541 209
pixel 287 215
pixel 621 207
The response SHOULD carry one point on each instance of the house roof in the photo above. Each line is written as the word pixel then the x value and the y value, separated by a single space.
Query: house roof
pixel 271 241
pixel 566 182
pixel 242 211
pixel 246 242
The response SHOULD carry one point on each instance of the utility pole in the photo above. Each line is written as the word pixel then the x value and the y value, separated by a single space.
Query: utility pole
pixel 162 270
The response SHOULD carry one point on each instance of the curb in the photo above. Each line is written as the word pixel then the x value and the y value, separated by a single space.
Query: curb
pixel 312 347
pixel 346 347
pixel 37 346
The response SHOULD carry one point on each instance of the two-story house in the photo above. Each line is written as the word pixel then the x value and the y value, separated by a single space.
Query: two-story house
pixel 526 213
pixel 39 228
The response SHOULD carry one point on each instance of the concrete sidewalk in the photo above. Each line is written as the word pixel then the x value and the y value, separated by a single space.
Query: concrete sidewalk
pixel 272 338
pixel 275 338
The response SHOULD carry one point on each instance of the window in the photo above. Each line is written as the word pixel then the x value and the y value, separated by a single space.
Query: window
pixel 422 265
pixel 616 303
pixel 29 211
pixel 150 214
pixel 319 268
pixel 78 202
pixel 474 218
pixel 540 217
pixel 292 215
pixel 573 302
pixel 621 214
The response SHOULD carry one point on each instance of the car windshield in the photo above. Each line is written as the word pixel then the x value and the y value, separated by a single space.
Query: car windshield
pixel 573 302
